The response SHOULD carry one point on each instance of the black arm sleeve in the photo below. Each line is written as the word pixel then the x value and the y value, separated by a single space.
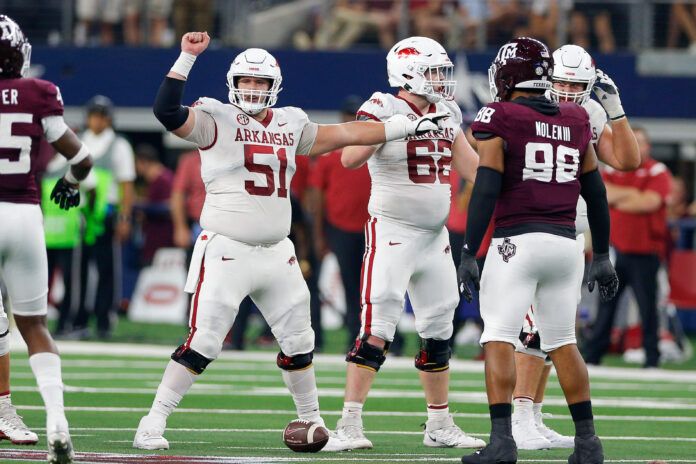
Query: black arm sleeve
pixel 595 194
pixel 483 199
pixel 167 108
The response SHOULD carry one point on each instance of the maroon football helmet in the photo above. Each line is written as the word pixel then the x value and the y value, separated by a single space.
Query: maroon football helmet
pixel 522 63
pixel 15 51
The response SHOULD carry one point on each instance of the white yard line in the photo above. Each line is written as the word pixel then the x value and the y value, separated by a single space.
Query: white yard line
pixel 210 378
pixel 291 413
pixel 368 432
pixel 405 362
pixel 455 396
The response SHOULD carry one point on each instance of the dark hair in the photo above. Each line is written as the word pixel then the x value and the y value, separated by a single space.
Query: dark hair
pixel 146 152
pixel 100 104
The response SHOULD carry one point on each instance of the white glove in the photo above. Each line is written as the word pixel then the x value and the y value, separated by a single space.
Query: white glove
pixel 399 126
pixel 608 95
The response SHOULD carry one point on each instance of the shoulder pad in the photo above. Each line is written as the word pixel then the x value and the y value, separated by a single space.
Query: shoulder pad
pixel 209 105
pixel 378 108
pixel 598 117
pixel 292 113
pixel 452 107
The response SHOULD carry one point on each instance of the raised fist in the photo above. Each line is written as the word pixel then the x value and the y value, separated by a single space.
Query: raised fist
pixel 195 43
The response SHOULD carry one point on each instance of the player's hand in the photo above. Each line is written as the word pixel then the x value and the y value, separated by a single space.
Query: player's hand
pixel 195 43
pixel 468 271
pixel 603 272
pixel 65 194
pixel 429 122
pixel 398 127
pixel 608 95
pixel 182 237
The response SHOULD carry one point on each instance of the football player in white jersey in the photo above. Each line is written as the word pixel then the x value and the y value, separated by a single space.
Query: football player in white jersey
pixel 407 244
pixel 574 79
pixel 248 155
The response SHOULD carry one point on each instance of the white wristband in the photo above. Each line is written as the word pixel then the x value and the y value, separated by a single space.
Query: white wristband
pixel 69 177
pixel 79 156
pixel 397 127
pixel 183 64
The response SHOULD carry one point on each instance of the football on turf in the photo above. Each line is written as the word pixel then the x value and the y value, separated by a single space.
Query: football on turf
pixel 304 436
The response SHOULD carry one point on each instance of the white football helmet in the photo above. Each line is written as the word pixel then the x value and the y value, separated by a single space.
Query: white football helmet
pixel 421 66
pixel 255 62
pixel 572 63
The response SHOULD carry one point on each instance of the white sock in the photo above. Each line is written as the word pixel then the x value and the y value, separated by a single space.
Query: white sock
pixel 176 381
pixel 5 400
pixel 352 409
pixel 523 406
pixel 537 412
pixel 438 411
pixel 46 368
pixel 303 388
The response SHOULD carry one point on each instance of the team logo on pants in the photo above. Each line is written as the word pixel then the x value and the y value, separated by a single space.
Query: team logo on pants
pixel 507 249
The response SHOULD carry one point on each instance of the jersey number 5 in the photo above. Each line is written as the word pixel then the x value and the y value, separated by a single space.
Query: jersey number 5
pixel 539 163
pixel 249 163
pixel 421 164
pixel 14 143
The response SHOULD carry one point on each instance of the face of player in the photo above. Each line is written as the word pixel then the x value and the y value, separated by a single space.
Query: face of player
pixel 253 83
pixel 568 87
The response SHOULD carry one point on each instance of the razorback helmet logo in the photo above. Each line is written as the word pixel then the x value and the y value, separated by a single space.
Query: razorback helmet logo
pixel 406 52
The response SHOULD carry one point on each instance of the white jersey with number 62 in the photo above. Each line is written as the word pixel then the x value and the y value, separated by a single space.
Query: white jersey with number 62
pixel 410 177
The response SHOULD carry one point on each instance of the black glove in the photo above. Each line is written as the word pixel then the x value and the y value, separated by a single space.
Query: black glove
pixel 603 272
pixel 65 194
pixel 468 271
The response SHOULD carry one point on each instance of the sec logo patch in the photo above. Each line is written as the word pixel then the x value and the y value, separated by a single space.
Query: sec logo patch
pixel 243 119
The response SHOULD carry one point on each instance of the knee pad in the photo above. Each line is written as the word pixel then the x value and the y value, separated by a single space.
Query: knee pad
pixel 191 360
pixel 294 363
pixel 367 355
pixel 434 355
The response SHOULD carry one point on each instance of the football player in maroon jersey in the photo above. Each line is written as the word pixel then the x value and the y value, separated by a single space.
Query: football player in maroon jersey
pixel 31 109
pixel 536 158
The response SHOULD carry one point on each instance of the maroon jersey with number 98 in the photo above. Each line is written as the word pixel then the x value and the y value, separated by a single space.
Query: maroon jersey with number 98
pixel 24 103
pixel 545 147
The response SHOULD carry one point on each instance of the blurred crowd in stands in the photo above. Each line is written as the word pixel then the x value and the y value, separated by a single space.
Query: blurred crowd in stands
pixel 339 24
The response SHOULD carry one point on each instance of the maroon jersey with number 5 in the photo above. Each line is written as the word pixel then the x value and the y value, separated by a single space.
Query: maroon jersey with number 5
pixel 545 145
pixel 24 103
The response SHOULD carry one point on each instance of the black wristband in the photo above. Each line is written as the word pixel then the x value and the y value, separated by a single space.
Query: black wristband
pixel 167 108
pixel 595 194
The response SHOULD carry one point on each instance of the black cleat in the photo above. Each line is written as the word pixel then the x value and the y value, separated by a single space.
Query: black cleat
pixel 501 450
pixel 587 451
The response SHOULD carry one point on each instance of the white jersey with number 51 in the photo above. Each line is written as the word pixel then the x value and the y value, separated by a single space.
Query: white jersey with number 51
pixel 247 166
pixel 410 177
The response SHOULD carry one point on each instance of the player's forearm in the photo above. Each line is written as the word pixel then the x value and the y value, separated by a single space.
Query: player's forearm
pixel 625 145
pixel 355 157
pixel 593 191
pixel 481 206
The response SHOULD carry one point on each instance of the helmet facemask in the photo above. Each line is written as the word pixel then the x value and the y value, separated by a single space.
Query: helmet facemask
pixel 253 101
pixel 575 97
pixel 438 82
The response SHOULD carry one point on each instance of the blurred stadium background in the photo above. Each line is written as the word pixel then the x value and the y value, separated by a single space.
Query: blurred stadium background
pixel 329 50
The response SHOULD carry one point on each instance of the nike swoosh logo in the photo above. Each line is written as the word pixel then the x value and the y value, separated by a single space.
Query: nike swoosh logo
pixel 281 125
pixel 227 259
pixel 394 243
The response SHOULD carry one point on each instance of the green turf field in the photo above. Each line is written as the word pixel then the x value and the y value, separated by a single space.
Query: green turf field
pixel 237 409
